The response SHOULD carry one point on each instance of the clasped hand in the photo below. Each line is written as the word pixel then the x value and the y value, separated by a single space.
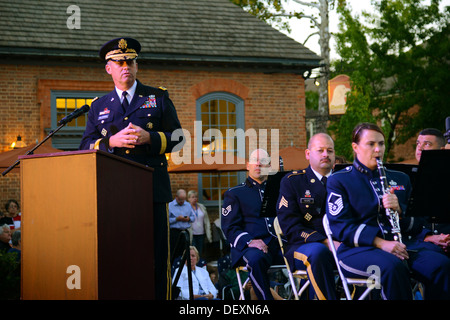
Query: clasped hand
pixel 129 137
pixel 259 244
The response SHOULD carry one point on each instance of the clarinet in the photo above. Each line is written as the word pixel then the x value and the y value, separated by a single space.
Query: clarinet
pixel 391 214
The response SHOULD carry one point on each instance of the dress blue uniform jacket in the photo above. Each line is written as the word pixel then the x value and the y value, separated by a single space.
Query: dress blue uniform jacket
pixel 355 210
pixel 150 109
pixel 241 220
pixel 300 210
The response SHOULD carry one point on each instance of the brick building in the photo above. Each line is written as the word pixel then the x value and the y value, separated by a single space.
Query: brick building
pixel 220 65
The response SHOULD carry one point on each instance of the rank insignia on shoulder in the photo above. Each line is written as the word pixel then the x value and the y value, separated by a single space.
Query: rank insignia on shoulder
pixel 163 88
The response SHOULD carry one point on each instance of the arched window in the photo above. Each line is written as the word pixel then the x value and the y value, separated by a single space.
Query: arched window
pixel 220 111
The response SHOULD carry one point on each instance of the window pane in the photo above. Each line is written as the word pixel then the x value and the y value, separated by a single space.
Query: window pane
pixel 231 107
pixel 65 106
pixel 223 106
pixel 218 114
pixel 213 106
pixel 205 107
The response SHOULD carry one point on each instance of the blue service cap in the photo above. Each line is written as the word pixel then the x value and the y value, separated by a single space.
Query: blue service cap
pixel 120 49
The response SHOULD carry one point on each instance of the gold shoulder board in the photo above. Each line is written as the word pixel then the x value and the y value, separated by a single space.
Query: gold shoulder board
pixel 296 173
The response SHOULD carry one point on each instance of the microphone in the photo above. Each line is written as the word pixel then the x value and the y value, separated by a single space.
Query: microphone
pixel 78 112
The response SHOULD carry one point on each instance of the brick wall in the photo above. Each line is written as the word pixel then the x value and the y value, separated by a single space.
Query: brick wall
pixel 271 101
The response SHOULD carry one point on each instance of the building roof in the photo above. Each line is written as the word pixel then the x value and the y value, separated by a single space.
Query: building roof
pixel 181 31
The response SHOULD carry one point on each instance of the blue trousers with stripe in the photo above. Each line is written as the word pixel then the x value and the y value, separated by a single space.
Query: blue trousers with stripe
pixel 318 262
pixel 427 264
pixel 258 263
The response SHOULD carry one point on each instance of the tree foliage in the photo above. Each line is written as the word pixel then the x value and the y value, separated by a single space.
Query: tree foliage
pixel 396 59
pixel 270 11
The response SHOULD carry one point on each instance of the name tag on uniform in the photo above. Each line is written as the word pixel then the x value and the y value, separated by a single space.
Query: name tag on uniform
pixel 307 200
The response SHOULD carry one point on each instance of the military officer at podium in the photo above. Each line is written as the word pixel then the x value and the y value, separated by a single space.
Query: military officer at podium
pixel 137 122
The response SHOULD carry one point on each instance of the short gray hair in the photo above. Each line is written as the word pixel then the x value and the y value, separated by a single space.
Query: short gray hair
pixel 3 227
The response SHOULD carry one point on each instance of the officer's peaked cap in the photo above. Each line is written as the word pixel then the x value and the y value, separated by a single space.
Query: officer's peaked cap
pixel 120 49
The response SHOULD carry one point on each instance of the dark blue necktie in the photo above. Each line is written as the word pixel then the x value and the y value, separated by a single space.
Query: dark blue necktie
pixel 125 103
pixel 324 181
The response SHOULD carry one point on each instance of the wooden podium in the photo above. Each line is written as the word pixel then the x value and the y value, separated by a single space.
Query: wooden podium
pixel 87 227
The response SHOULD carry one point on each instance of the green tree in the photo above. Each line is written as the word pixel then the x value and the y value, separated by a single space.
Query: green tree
pixel 396 59
pixel 270 11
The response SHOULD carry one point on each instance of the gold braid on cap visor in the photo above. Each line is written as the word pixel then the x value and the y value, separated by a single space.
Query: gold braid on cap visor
pixel 119 55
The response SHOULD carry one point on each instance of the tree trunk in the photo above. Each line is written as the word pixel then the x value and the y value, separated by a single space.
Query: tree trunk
pixel 324 42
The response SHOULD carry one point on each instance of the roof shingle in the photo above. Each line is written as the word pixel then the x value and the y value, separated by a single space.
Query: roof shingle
pixel 211 29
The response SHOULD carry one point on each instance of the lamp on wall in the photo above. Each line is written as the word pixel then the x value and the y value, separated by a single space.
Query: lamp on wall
pixel 18 143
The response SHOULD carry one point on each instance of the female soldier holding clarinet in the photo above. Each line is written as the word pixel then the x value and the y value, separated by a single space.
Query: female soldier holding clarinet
pixel 358 208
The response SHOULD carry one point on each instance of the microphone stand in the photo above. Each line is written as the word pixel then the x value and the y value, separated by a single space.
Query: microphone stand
pixel 61 123
pixel 34 148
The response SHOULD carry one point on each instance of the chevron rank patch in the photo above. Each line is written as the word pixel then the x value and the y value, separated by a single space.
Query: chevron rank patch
pixel 335 203
pixel 283 203
pixel 226 211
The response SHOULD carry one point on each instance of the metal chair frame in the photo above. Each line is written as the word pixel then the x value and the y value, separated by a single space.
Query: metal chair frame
pixel 346 281
pixel 292 275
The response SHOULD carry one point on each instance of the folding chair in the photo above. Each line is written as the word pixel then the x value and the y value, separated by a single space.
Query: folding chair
pixel 272 268
pixel 244 268
pixel 367 281
pixel 297 274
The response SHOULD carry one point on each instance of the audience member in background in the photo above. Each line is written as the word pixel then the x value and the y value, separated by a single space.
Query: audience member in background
pixel 201 227
pixel 16 244
pixel 12 215
pixel 5 238
pixel 180 217
pixel 202 286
